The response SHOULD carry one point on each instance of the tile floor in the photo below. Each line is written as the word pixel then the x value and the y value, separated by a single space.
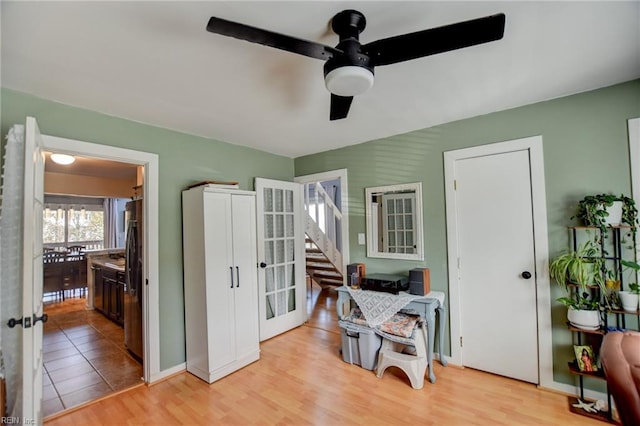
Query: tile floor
pixel 84 357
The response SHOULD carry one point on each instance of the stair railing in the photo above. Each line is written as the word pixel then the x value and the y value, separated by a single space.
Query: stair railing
pixel 324 222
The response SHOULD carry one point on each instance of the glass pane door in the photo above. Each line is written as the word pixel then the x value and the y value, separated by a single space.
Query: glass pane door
pixel 279 250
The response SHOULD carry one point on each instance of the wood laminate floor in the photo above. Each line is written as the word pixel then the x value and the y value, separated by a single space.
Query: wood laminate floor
pixel 84 356
pixel 301 379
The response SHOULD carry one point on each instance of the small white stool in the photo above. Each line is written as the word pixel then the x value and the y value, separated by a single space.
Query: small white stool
pixel 393 354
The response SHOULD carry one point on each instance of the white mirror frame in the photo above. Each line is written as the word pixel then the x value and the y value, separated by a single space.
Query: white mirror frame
pixel 371 221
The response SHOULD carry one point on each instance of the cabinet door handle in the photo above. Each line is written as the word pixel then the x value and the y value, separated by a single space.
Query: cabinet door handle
pixel 231 271
pixel 238 277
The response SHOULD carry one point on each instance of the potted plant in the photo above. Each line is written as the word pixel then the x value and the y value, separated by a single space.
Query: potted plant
pixel 598 211
pixel 629 298
pixel 581 269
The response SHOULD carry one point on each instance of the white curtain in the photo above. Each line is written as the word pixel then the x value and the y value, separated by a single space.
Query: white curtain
pixel 110 222
pixel 11 267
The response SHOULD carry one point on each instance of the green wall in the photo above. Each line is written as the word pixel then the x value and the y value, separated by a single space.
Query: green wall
pixel 183 159
pixel 585 149
pixel 585 152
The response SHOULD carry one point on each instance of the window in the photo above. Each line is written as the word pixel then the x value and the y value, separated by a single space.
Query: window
pixel 65 224
pixel 399 226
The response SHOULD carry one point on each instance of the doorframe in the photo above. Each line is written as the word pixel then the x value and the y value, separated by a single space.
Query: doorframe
pixel 341 175
pixel 541 246
pixel 150 162
pixel 633 125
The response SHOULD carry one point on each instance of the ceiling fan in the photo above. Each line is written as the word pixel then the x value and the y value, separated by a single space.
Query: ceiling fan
pixel 348 70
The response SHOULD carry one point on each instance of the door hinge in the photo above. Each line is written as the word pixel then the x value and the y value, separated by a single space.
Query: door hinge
pixel 460 341
pixel 455 184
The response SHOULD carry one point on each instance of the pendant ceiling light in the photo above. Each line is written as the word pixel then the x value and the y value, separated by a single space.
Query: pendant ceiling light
pixel 63 159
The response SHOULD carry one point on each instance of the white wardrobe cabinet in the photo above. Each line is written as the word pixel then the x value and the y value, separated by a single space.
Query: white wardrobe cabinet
pixel 220 280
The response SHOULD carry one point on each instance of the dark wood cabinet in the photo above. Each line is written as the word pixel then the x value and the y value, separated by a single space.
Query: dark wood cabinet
pixel 109 286
pixel 98 292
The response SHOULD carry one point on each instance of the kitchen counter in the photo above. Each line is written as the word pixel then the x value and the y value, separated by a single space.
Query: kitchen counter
pixel 107 262
pixel 102 258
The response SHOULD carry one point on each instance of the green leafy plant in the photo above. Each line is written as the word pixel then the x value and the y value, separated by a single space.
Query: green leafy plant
pixel 635 267
pixel 581 268
pixel 592 210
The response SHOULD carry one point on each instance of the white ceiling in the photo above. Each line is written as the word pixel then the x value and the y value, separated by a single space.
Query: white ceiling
pixel 155 63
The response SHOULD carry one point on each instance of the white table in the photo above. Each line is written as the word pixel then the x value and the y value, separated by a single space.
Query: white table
pixel 426 306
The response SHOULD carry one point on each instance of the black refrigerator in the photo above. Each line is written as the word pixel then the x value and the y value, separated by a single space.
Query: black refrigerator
pixel 134 281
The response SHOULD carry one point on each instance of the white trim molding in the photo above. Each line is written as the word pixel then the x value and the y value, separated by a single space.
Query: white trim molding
pixel 151 306
pixel 340 174
pixel 543 293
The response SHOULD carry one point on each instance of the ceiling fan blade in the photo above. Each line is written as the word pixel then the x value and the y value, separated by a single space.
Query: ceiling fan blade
pixel 436 40
pixel 270 38
pixel 339 106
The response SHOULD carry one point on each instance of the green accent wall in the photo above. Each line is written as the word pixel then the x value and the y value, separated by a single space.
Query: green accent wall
pixel 183 160
pixel 585 151
pixel 585 146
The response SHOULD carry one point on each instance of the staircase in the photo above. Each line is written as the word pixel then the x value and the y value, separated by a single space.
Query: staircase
pixel 323 222
pixel 319 267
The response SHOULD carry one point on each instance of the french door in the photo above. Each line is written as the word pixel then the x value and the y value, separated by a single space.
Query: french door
pixel 32 307
pixel 281 283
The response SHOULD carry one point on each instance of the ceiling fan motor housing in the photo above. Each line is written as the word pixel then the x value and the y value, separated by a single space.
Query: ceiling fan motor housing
pixel 349 73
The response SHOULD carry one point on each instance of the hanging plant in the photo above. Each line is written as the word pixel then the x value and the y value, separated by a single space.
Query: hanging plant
pixel 592 210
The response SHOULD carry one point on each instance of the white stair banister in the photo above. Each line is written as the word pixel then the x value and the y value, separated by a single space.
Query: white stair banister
pixel 323 220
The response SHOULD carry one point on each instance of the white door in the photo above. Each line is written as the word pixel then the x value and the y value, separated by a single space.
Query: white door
pixel 32 326
pixel 219 263
pixel 245 292
pixel 496 264
pixel 281 284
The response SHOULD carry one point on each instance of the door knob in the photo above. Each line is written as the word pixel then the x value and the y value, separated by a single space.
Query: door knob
pixel 526 275
pixel 263 265
pixel 44 318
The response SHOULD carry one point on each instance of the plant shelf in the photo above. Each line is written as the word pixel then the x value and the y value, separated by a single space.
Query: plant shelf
pixel 622 311
pixel 600 415
pixel 582 330
pixel 621 226
pixel 573 368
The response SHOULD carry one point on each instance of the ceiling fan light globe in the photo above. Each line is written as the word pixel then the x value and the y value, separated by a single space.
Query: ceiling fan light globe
pixel 63 159
pixel 349 80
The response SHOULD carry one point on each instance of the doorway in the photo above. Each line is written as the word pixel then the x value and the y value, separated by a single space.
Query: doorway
pixel 494 276
pixel 149 162
pixel 334 183
pixel 85 354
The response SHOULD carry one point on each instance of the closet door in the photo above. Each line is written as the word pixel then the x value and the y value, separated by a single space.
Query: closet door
pixel 245 291
pixel 219 282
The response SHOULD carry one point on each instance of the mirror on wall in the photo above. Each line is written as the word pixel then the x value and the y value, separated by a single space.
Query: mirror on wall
pixel 394 221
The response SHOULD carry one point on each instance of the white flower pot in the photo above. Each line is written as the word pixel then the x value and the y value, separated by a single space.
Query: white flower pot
pixel 629 301
pixel 615 214
pixel 587 320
